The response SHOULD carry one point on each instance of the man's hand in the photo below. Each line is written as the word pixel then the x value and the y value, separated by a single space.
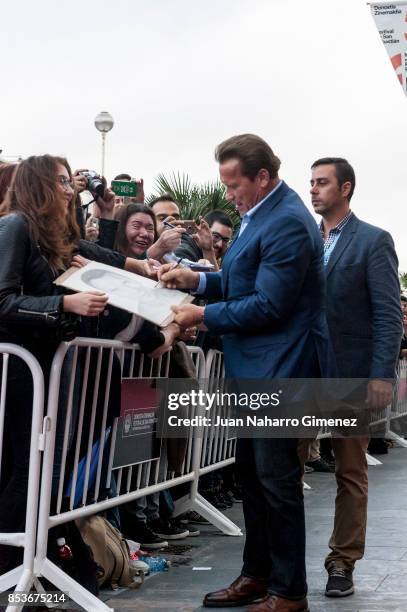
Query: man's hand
pixel 79 180
pixel 177 278
pixel 168 242
pixel 104 207
pixel 189 315
pixel 203 236
pixel 379 394
pixel 205 240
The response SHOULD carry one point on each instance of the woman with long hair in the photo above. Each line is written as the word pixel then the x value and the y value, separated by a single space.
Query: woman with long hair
pixel 38 236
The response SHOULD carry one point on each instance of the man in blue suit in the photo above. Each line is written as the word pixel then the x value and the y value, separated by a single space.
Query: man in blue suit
pixel 365 325
pixel 271 293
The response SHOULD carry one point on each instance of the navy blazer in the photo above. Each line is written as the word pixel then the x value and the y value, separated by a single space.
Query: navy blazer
pixel 363 302
pixel 272 292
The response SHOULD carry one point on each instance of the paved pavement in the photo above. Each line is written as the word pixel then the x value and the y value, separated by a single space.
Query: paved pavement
pixel 380 578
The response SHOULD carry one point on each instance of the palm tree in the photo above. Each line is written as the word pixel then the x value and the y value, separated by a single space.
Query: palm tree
pixel 194 200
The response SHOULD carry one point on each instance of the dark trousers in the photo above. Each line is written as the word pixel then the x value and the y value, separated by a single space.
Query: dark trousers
pixel 273 505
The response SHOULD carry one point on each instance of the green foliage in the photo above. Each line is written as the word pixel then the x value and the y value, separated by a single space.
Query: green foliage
pixel 194 199
pixel 403 280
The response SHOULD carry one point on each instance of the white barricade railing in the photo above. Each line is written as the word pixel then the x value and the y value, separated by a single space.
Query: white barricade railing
pixel 87 369
pixel 219 443
pixel 212 450
pixel 23 576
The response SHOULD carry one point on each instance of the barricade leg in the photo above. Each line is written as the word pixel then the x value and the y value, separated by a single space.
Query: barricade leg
pixel 372 460
pixel 43 566
pixel 23 576
pixel 11 578
pixel 194 501
pixel 78 593
pixel 208 511
pixel 396 438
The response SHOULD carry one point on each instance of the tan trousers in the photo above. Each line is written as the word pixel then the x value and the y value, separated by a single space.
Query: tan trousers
pixel 347 542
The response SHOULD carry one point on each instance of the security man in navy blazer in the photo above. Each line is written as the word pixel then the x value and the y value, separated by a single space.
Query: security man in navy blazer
pixel 365 325
pixel 270 312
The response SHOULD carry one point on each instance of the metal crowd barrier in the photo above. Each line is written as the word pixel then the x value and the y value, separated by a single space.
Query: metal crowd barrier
pixel 77 427
pixel 23 576
pixel 215 450
pixel 78 431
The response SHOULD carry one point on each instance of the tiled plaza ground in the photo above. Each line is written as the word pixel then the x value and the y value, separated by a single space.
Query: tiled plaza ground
pixel 380 578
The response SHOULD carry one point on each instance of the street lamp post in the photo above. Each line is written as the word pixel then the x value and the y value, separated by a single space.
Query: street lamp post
pixel 104 123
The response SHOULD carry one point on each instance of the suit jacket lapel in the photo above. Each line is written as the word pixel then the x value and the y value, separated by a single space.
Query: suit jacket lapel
pixel 255 222
pixel 343 241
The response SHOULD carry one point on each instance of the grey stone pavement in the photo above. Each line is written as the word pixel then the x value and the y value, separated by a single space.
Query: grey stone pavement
pixel 380 578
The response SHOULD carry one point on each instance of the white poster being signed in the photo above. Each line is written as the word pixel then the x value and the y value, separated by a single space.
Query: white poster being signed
pixel 136 294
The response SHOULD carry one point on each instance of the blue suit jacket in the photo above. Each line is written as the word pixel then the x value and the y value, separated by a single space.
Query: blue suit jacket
pixel 272 292
pixel 363 302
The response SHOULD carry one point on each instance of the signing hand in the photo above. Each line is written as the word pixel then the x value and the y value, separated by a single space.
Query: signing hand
pixel 179 278
pixel 379 394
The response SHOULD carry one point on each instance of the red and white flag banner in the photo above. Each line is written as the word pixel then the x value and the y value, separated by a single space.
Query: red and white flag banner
pixel 391 21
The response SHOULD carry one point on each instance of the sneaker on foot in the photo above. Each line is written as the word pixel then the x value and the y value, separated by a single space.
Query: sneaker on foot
pixel 320 465
pixel 225 499
pixel 236 494
pixel 213 499
pixel 308 469
pixel 330 459
pixel 147 538
pixel 192 517
pixel 227 495
pixel 167 529
pixel 192 531
pixel 340 581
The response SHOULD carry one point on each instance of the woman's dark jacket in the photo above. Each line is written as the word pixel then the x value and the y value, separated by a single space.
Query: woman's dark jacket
pixel 31 306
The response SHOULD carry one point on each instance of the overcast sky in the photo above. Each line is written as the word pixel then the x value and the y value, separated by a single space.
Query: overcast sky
pixel 311 77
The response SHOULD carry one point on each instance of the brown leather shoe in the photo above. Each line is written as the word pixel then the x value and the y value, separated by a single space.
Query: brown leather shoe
pixel 272 603
pixel 241 592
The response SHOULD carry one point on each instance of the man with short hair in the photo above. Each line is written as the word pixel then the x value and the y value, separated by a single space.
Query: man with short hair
pixel 364 320
pixel 221 228
pixel 270 310
pixel 177 240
